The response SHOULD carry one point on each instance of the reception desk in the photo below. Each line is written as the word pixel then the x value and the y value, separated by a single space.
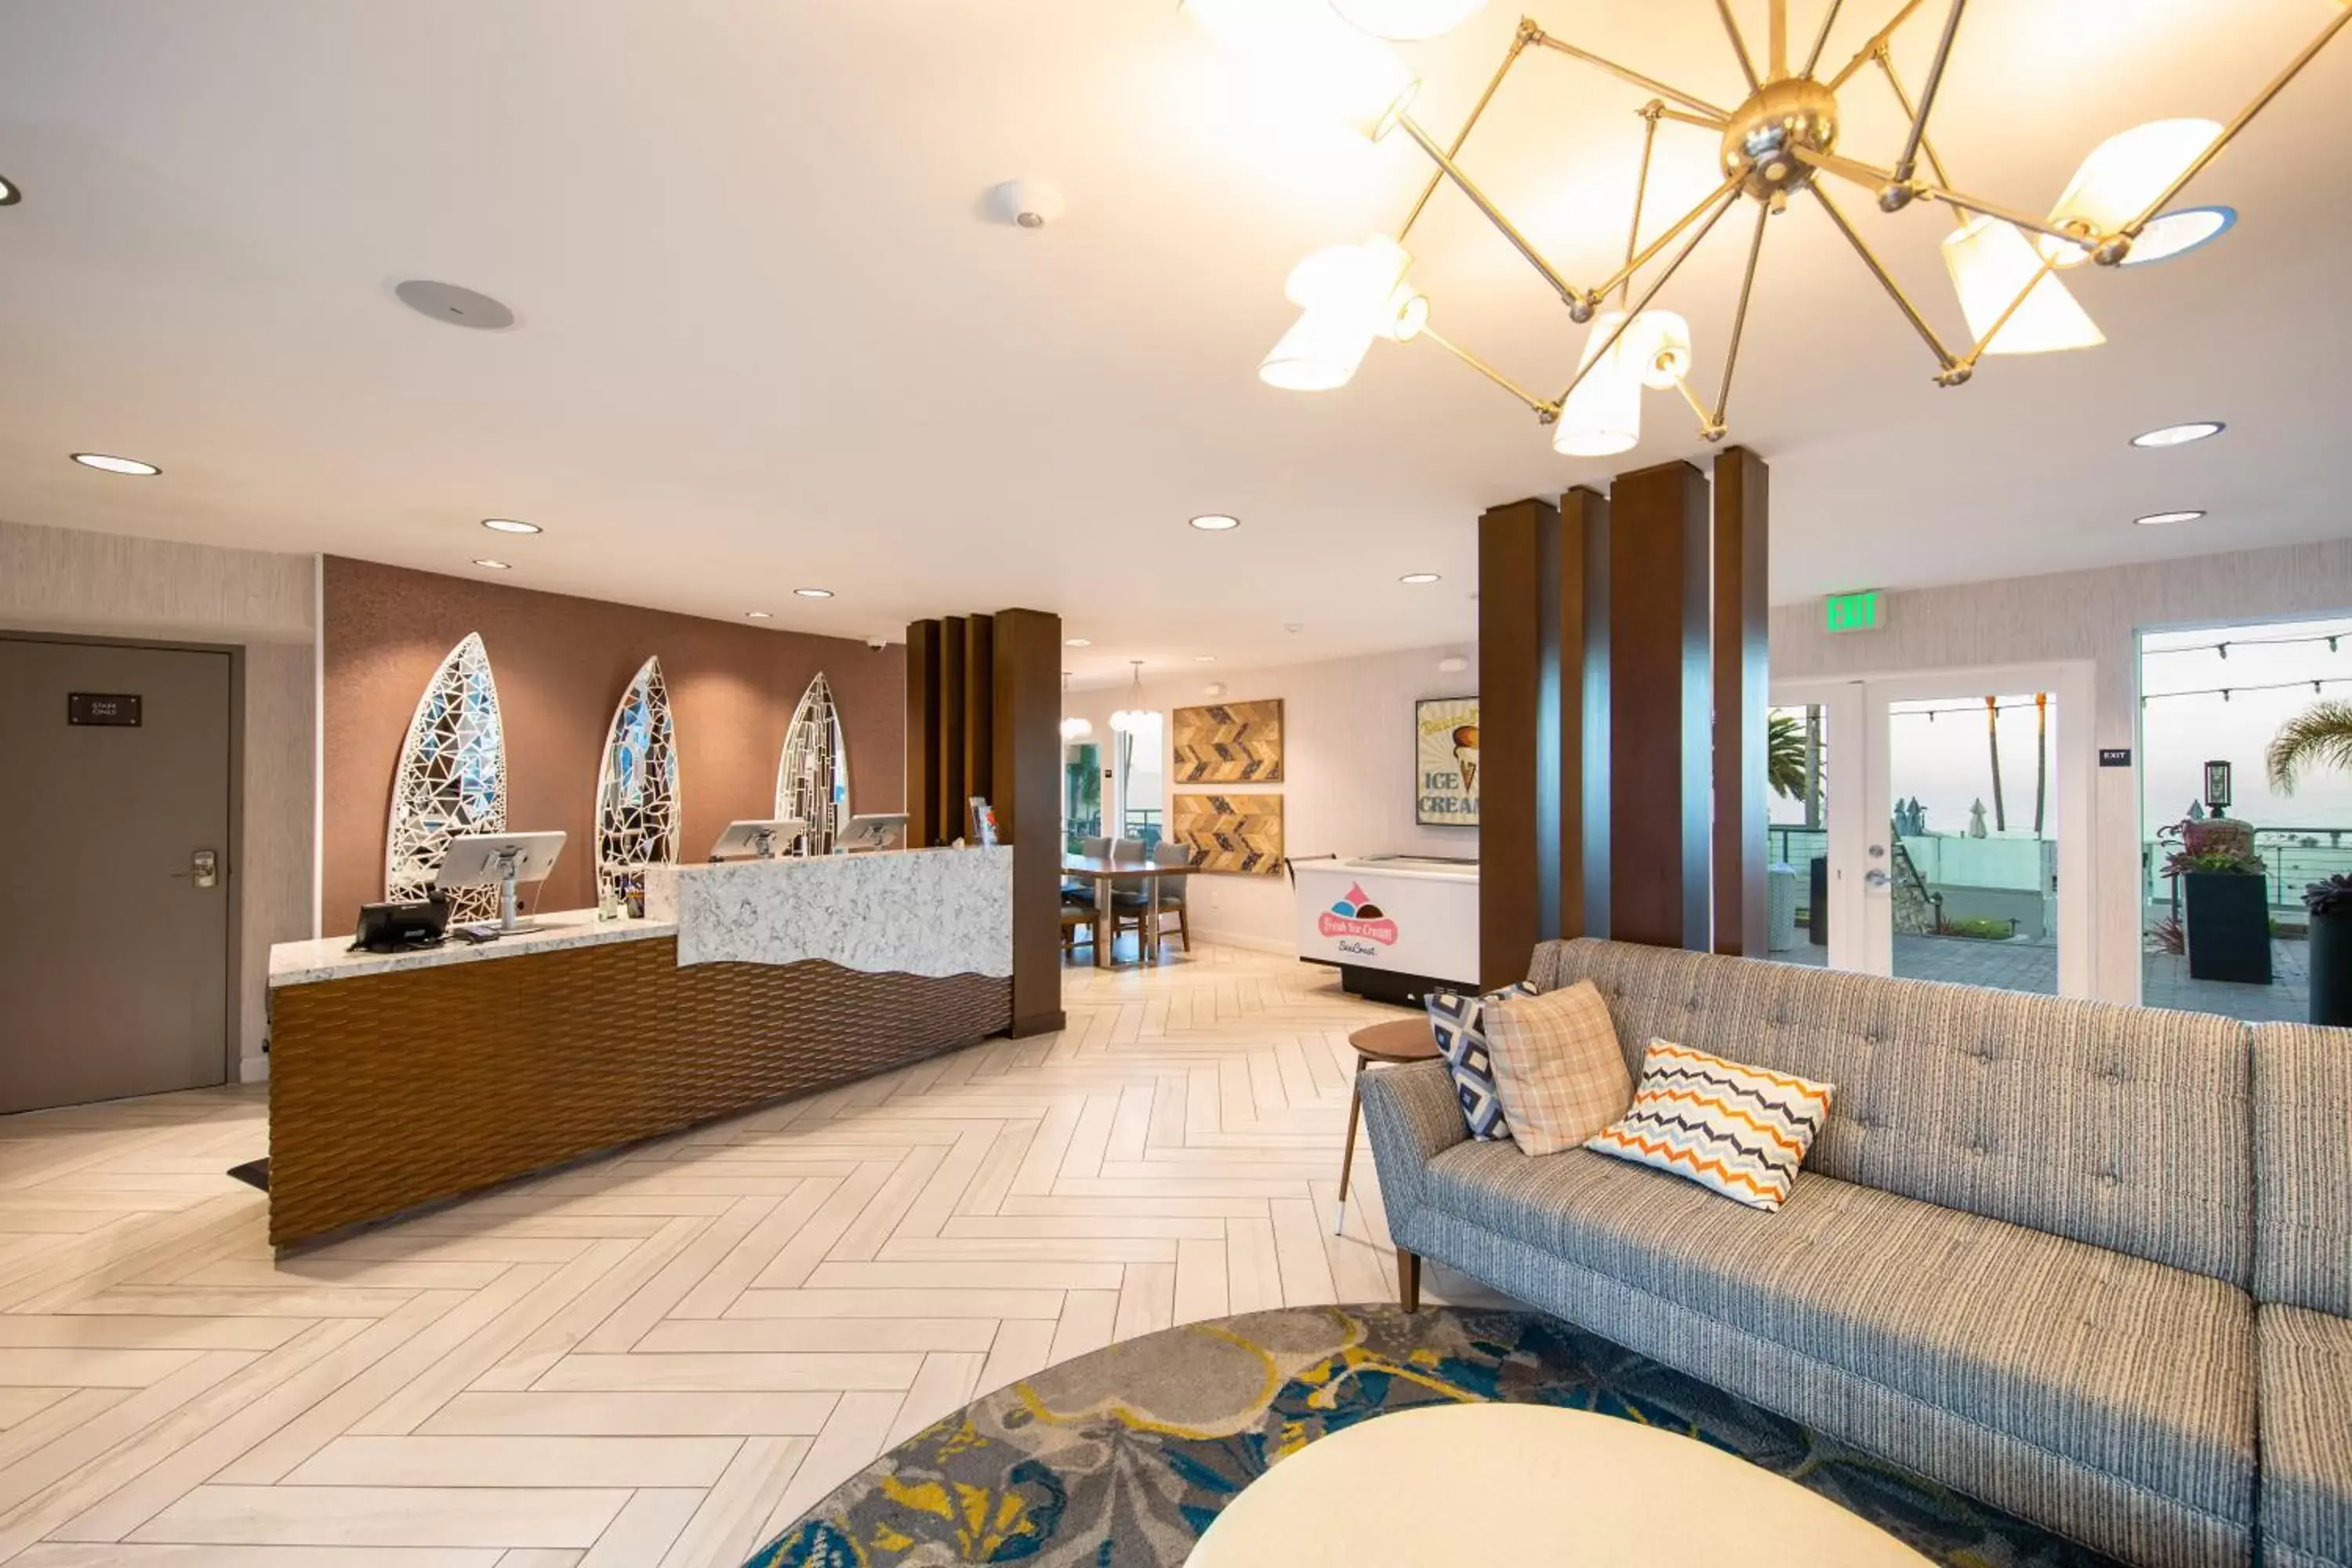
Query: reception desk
pixel 403 1079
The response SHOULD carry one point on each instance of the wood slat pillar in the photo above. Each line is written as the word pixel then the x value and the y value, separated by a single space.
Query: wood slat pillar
pixel 1583 621
pixel 1026 766
pixel 1741 612
pixel 979 713
pixel 923 720
pixel 1660 796
pixel 947 739
pixel 1536 611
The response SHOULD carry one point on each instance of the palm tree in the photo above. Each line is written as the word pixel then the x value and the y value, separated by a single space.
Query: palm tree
pixel 1992 738
pixel 1784 756
pixel 2318 737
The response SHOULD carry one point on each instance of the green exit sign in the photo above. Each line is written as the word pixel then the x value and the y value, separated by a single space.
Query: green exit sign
pixel 1864 612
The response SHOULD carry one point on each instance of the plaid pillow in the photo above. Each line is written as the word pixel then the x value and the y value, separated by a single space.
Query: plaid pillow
pixel 1557 1066
pixel 1739 1131
pixel 1462 1037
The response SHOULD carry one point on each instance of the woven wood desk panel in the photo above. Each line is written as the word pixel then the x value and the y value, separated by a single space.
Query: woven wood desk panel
pixel 391 1091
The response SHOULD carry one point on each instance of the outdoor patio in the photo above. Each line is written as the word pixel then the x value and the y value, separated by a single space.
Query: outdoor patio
pixel 2033 966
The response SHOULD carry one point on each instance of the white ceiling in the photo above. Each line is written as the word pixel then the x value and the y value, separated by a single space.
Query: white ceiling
pixel 768 336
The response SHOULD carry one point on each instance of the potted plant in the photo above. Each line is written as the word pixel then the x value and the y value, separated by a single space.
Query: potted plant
pixel 2225 900
pixel 2330 906
pixel 2321 736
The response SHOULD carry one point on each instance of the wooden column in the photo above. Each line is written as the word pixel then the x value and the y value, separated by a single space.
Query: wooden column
pixel 1582 749
pixel 1026 767
pixel 979 714
pixel 946 804
pixel 1514 884
pixel 1659 796
pixel 1741 609
pixel 923 703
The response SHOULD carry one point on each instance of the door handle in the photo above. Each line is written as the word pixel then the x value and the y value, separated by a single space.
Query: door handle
pixel 204 868
pixel 1875 878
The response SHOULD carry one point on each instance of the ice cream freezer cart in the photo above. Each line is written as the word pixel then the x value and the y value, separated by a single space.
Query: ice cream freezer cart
pixel 1395 926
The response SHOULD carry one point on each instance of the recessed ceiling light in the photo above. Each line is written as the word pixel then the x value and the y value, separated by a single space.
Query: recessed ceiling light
pixel 510 525
pixel 1418 578
pixel 2180 435
pixel 2158 519
pixel 9 195
pixel 1216 522
pixel 493 565
pixel 2179 233
pixel 459 307
pixel 813 592
pixel 1078 642
pixel 757 616
pixel 114 465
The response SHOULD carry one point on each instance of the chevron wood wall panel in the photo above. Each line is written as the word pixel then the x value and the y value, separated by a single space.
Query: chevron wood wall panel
pixel 1241 834
pixel 1229 743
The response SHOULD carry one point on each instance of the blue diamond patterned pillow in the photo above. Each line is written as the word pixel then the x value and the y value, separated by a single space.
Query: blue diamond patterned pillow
pixel 1460 1024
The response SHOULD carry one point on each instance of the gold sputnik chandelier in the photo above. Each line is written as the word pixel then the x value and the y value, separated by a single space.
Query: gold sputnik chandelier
pixel 2004 263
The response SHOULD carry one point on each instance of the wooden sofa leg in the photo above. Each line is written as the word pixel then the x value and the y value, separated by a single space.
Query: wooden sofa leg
pixel 1409 1280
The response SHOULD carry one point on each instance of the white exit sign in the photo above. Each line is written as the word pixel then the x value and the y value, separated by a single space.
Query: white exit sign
pixel 1863 611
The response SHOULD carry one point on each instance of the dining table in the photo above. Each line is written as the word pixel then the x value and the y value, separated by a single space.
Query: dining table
pixel 1102 870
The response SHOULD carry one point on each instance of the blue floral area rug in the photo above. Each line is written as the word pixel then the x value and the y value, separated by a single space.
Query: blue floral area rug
pixel 1120 1458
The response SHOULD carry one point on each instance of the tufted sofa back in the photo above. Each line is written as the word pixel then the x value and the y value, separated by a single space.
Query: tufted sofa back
pixel 2125 1127
pixel 2303 1167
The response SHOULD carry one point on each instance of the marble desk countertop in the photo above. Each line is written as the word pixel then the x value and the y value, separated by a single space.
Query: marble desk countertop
pixel 936 912
pixel 330 958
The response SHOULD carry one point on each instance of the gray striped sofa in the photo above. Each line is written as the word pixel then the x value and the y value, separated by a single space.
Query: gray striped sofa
pixel 2023 1259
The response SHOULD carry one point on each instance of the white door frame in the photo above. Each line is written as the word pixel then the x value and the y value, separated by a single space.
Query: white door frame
pixel 1862 928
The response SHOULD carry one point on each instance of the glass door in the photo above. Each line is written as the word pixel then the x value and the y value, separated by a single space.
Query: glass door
pixel 1949 811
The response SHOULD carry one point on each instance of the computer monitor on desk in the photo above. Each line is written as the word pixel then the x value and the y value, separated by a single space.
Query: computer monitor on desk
pixel 877 831
pixel 499 860
pixel 759 840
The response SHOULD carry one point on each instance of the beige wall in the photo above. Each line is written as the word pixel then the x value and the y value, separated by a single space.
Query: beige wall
pixel 2089 617
pixel 1347 770
pixel 104 584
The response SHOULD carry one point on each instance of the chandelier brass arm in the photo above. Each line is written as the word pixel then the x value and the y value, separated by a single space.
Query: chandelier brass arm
pixel 1526 34
pixel 1722 203
pixel 1948 367
pixel 1716 118
pixel 1739 44
pixel 1822 39
pixel 1871 177
pixel 1885 59
pixel 1547 412
pixel 1712 429
pixel 1876 42
pixel 2228 133
pixel 1650 252
pixel 1904 165
pixel 1577 302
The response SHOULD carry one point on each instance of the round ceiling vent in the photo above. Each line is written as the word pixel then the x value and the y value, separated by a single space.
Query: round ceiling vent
pixel 457 307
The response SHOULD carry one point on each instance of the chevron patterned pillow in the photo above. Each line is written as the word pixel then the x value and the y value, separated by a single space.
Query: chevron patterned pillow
pixel 1460 1024
pixel 1740 1130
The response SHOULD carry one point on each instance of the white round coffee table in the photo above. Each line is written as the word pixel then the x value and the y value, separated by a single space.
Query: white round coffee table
pixel 1529 1484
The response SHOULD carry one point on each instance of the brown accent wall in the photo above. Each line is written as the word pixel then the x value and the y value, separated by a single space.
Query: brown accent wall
pixel 561 664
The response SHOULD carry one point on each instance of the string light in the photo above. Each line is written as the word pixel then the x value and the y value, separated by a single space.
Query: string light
pixel 2223 647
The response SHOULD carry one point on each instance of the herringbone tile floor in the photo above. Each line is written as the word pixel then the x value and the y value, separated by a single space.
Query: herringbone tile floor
pixel 664 1357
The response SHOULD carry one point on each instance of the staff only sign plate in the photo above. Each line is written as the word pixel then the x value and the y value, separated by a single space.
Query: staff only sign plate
pixel 1445 790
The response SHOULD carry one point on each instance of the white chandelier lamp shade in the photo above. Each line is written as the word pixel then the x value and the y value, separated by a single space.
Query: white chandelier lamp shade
pixel 1075 728
pixel 1348 295
pixel 1602 416
pixel 1408 20
pixel 2121 175
pixel 1307 55
pixel 1991 263
pixel 1320 352
pixel 1658 348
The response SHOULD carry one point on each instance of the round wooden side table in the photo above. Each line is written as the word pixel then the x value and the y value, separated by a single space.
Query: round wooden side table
pixel 1389 1044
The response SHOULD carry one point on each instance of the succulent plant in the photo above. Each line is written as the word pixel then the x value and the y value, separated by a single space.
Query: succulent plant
pixel 2332 897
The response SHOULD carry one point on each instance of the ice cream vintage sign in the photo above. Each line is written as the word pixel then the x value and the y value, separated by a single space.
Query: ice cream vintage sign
pixel 1447 755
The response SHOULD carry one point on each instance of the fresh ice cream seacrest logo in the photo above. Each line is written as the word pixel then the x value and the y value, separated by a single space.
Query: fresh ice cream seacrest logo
pixel 1356 915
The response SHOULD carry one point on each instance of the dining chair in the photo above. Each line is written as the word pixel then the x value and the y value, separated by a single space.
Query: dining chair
pixel 1080 889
